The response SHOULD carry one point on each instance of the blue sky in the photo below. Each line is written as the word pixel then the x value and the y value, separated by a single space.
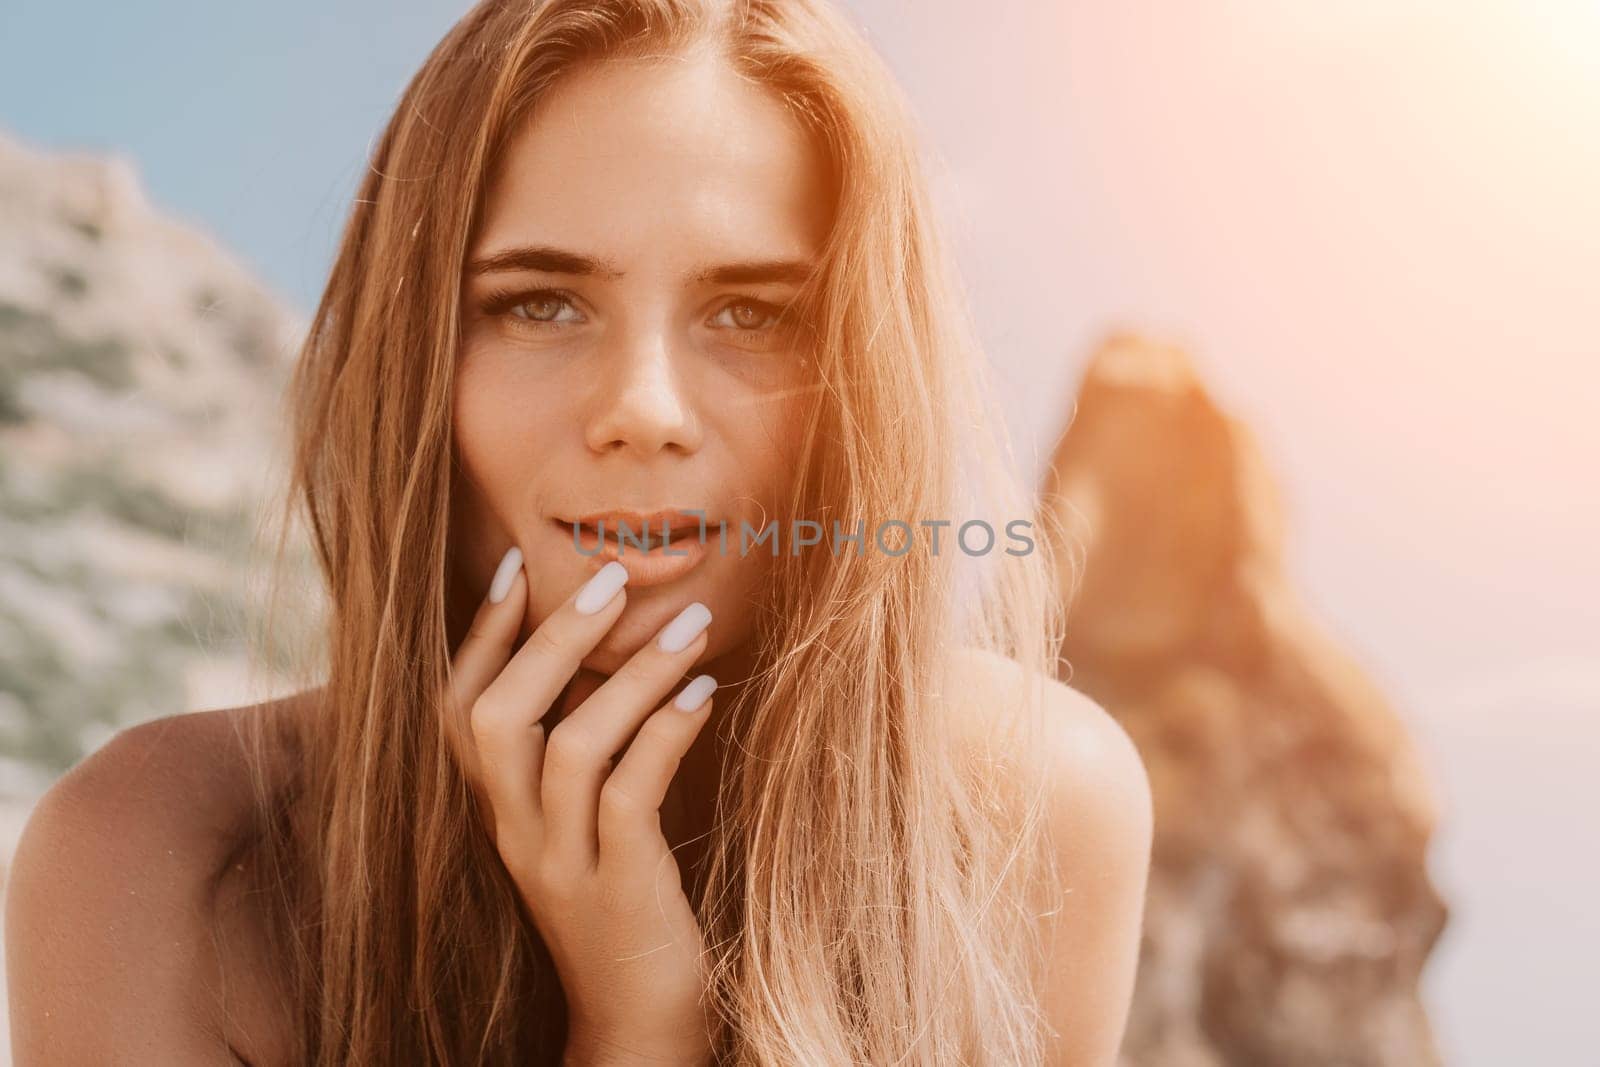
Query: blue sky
pixel 251 119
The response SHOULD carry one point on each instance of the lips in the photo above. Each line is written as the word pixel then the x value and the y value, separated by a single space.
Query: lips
pixel 642 526
pixel 650 560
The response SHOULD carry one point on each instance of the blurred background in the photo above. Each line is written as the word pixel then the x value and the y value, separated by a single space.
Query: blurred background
pixel 1292 310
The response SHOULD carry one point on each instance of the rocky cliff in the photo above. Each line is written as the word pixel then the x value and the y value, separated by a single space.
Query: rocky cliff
pixel 1290 910
pixel 141 370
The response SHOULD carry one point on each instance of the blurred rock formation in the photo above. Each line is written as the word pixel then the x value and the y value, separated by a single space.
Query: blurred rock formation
pixel 141 372
pixel 1290 909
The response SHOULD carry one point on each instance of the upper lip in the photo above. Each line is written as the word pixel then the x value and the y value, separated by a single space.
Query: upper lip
pixel 641 521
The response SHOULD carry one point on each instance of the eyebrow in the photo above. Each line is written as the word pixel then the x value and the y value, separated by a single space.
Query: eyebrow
pixel 560 261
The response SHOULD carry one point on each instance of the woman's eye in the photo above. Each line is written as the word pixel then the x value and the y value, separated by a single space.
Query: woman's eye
pixel 545 306
pixel 534 307
pixel 748 315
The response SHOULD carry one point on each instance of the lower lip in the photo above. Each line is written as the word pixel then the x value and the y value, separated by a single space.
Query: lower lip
pixel 654 567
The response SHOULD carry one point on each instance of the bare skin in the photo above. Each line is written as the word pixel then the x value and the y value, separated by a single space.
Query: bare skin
pixel 128 937
pixel 651 381
pixel 129 940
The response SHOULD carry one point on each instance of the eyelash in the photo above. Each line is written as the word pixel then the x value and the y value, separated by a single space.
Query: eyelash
pixel 504 301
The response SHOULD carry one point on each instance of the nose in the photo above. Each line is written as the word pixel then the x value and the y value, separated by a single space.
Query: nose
pixel 639 401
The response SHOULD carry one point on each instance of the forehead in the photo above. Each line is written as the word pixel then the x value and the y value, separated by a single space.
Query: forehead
pixel 656 158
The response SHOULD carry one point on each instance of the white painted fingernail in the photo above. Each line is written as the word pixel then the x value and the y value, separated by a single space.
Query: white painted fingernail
pixel 598 591
pixel 505 574
pixel 694 694
pixel 677 634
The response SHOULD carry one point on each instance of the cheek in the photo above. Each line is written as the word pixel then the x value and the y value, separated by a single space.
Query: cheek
pixel 472 438
pixel 501 442
pixel 475 416
pixel 497 434
pixel 768 442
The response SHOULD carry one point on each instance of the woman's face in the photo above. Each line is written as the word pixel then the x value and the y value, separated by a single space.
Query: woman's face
pixel 621 349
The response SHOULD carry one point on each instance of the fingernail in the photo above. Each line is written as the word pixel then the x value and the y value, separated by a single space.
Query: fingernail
pixel 677 634
pixel 694 694
pixel 598 591
pixel 505 574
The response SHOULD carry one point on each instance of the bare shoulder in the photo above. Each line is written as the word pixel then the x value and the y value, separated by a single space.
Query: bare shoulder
pixel 111 948
pixel 1100 824
pixel 1096 767
pixel 1099 796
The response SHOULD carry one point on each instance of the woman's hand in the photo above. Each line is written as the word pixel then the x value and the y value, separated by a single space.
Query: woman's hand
pixel 579 829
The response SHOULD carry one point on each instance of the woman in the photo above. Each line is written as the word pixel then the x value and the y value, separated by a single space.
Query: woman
pixel 616 258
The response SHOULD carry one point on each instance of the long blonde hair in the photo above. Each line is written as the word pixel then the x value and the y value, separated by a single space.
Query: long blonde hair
pixel 877 867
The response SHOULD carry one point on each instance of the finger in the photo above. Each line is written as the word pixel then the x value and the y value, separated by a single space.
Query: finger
pixel 506 715
pixel 580 748
pixel 481 654
pixel 630 801
pixel 487 645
